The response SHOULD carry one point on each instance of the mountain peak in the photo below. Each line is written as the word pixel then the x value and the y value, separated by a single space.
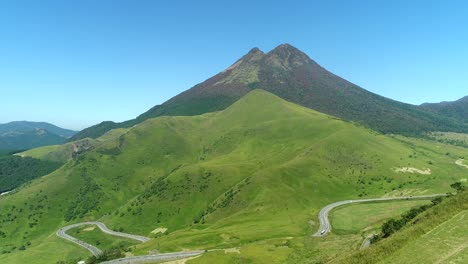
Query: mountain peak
pixel 255 50
pixel 288 56
pixel 253 55
pixel 286 48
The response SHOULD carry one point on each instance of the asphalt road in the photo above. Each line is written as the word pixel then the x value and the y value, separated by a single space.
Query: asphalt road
pixel 96 251
pixel 325 225
pixel 152 258
pixel 61 233
pixel 131 260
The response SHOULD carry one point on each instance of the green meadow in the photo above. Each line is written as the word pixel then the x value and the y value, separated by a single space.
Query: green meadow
pixel 438 235
pixel 448 243
pixel 94 236
pixel 368 217
pixel 252 177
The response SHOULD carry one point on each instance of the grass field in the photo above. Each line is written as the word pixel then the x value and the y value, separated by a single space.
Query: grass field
pixel 258 171
pixel 438 235
pixel 458 139
pixel 94 236
pixel 263 252
pixel 368 217
pixel 446 243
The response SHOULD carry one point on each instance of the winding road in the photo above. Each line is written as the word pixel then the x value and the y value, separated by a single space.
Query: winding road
pixel 325 225
pixel 128 260
pixel 156 257
pixel 96 251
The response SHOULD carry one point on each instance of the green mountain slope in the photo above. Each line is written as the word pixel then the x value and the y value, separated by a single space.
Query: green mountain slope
pixel 23 135
pixel 15 170
pixel 292 75
pixel 439 235
pixel 72 150
pixel 261 169
pixel 456 110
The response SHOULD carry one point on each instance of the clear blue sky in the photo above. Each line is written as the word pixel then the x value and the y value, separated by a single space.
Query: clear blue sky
pixel 76 63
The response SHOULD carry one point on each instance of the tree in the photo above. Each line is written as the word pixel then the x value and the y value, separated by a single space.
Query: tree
pixel 457 186
pixel 436 200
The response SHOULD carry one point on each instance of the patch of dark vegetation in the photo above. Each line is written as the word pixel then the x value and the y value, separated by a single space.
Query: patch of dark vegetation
pixel 458 186
pixel 439 137
pixel 110 151
pixel 159 189
pixel 393 225
pixel 224 201
pixel 86 200
pixel 15 171
pixel 109 254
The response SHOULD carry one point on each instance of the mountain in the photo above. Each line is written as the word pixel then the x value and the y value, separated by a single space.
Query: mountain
pixel 292 75
pixel 20 135
pixel 252 176
pixel 456 109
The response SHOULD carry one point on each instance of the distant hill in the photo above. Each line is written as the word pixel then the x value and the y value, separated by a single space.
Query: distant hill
pixel 20 135
pixel 290 74
pixel 456 109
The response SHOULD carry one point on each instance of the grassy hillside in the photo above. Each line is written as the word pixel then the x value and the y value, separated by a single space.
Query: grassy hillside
pixel 93 235
pixel 290 74
pixel 61 153
pixel 439 235
pixel 253 176
pixel 71 150
pixel 368 217
pixel 457 139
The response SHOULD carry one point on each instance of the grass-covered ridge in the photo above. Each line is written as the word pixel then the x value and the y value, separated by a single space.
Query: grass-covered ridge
pixel 439 235
pixel 257 171
pixel 71 150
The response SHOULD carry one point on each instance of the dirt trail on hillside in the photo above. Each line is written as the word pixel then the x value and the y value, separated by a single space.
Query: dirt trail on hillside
pixel 413 170
pixel 460 163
